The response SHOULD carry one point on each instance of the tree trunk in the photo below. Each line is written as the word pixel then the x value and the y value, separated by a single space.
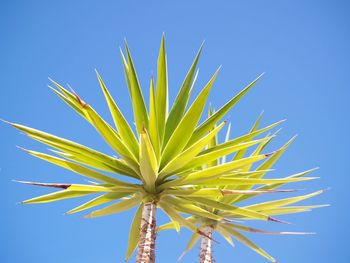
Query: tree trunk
pixel 206 253
pixel 147 241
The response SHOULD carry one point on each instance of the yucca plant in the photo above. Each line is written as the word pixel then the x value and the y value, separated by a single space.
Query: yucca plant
pixel 231 226
pixel 159 163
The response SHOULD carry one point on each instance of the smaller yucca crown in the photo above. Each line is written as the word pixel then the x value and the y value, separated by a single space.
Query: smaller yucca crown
pixel 232 225
pixel 167 155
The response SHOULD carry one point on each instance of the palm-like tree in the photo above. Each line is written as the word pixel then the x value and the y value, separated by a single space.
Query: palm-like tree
pixel 231 226
pixel 159 164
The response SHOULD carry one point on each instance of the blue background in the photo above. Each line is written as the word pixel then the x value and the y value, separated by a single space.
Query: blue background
pixel 303 46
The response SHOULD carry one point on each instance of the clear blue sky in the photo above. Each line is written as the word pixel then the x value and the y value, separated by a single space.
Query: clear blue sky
pixel 303 46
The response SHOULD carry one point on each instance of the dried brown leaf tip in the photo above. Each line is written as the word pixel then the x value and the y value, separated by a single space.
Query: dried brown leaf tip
pixel 144 129
pixel 277 220
pixel 269 154
pixel 63 186
pixel 82 103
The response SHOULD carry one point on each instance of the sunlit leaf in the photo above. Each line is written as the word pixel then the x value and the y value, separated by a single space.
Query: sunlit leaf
pixel 250 244
pixel 210 122
pixel 134 233
pixel 138 103
pixel 109 197
pixel 183 131
pixel 117 207
pixel 162 91
pixel 125 131
pixel 182 98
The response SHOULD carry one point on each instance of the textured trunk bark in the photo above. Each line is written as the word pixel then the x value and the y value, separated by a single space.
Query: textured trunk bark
pixel 147 241
pixel 206 253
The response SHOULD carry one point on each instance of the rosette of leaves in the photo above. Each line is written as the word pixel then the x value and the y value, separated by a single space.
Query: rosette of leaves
pixel 232 226
pixel 159 161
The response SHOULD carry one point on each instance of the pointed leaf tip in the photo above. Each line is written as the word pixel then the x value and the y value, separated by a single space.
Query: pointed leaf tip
pixel 63 186
pixel 7 122
pixel 23 149
pixel 121 50
pixel 82 103
pixel 270 218
pixel 293 138
pixel 181 256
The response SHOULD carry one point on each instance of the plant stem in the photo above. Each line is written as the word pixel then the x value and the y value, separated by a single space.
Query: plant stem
pixel 147 241
pixel 206 253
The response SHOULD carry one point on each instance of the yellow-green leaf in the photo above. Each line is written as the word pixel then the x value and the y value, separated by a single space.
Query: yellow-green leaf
pixel 240 154
pixel 124 129
pixel 275 156
pixel 153 126
pixel 234 210
pixel 110 136
pixel 225 234
pixel 172 225
pixel 148 162
pixel 162 91
pixel 248 182
pixel 282 202
pixel 210 122
pixel 134 233
pixel 182 98
pixel 242 138
pixel 254 230
pixel 138 103
pixel 211 172
pixel 250 244
pixel 272 186
pixel 105 198
pixel 105 130
pixel 227 138
pixel 88 156
pixel 291 209
pixel 193 240
pixel 201 159
pixel 78 168
pixel 175 217
pixel 186 156
pixel 71 102
pixel 117 207
pixel 183 131
pixel 56 196
pixel 187 207
pixel 216 192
